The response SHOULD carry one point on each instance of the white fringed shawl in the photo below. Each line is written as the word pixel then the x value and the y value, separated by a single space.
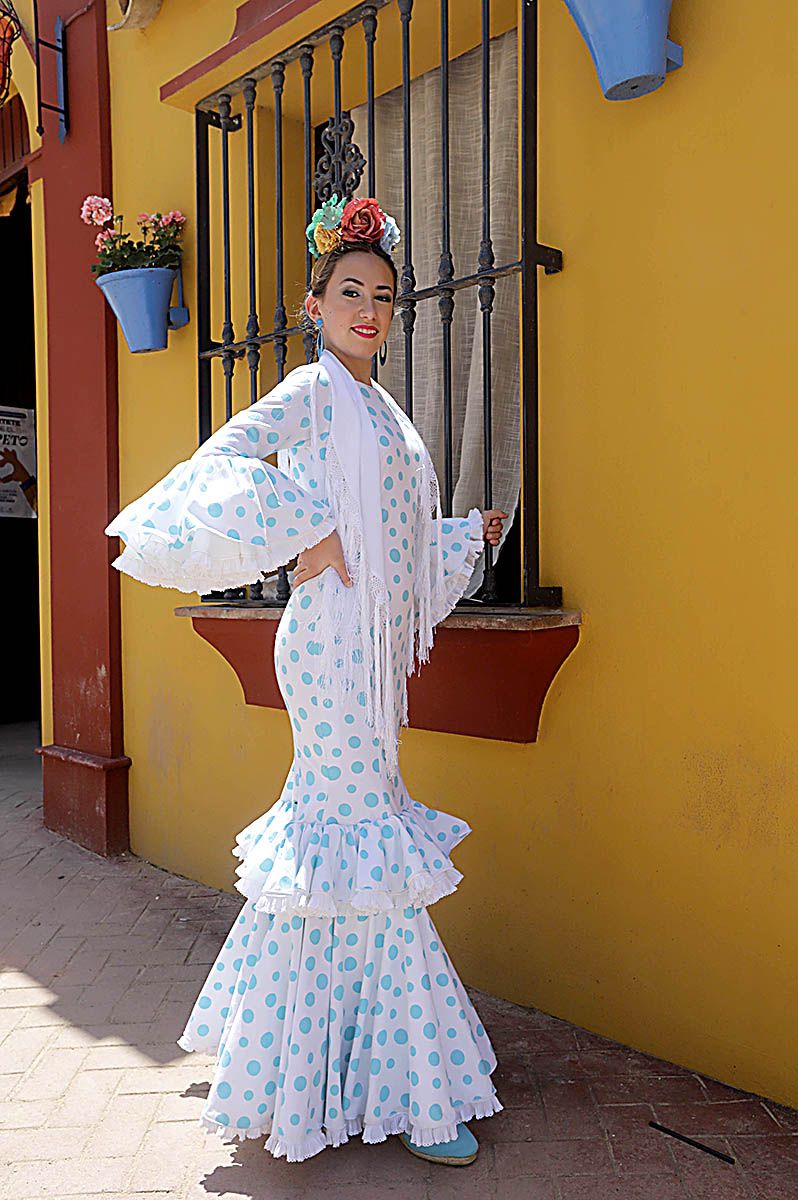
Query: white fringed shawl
pixel 360 616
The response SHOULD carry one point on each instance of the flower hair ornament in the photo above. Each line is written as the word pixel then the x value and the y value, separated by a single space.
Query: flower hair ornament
pixel 339 221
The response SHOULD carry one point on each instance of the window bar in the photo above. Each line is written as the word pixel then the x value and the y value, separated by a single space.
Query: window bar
pixel 408 275
pixel 446 265
pixel 533 254
pixel 529 432
pixel 253 327
pixel 306 63
pixel 228 335
pixel 203 249
pixel 337 53
pixel 370 34
pixel 337 163
pixel 530 540
pixel 487 294
pixel 280 319
pixel 340 164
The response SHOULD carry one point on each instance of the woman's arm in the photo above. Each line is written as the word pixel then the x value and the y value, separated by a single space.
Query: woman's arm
pixel 280 420
pixel 222 517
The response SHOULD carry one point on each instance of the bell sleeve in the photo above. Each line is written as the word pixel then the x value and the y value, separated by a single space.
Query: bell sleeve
pixel 463 542
pixel 222 516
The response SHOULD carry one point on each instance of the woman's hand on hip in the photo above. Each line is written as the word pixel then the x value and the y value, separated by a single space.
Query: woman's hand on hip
pixel 326 553
pixel 492 525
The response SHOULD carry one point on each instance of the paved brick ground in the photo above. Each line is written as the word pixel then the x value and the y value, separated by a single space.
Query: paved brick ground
pixel 100 963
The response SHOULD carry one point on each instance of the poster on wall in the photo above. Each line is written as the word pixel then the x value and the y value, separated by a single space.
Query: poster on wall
pixel 17 462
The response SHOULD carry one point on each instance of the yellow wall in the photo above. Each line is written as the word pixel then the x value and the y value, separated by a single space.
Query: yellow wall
pixel 635 870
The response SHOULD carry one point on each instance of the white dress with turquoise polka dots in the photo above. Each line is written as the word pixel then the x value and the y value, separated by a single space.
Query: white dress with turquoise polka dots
pixel 332 1008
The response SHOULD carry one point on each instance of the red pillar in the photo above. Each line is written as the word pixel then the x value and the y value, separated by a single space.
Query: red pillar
pixel 84 769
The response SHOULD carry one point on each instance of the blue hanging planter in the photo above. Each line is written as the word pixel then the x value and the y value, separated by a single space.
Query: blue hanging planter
pixel 140 301
pixel 629 42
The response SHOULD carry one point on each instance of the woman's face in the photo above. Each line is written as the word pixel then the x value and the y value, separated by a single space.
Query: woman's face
pixel 356 308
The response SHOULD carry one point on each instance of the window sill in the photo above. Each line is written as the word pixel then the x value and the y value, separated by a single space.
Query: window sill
pixel 488 675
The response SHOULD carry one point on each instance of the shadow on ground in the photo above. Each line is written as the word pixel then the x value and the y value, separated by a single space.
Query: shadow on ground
pixel 100 964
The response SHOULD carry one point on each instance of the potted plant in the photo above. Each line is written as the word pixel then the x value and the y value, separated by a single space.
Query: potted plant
pixel 629 43
pixel 137 277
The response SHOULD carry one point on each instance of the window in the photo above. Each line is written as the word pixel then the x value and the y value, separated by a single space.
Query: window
pixel 439 130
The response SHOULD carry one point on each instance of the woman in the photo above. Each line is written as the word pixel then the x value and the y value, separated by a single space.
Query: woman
pixel 333 1007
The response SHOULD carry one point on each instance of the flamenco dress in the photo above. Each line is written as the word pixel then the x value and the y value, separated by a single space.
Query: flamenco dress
pixel 332 1008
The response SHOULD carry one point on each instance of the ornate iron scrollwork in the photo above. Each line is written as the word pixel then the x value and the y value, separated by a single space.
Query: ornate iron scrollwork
pixel 341 163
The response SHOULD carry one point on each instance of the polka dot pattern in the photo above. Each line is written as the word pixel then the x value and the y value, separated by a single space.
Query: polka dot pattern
pixel 322 1029
pixel 221 517
pixel 332 1008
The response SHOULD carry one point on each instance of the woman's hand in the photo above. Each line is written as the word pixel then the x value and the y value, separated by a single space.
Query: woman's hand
pixel 326 553
pixel 492 525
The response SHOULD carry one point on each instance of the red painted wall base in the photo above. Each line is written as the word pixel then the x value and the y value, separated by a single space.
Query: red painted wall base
pixel 85 798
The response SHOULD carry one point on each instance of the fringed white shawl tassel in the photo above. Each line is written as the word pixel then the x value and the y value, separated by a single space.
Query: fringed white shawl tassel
pixel 356 623
pixel 364 660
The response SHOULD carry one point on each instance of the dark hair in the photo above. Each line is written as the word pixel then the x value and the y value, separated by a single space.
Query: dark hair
pixel 325 264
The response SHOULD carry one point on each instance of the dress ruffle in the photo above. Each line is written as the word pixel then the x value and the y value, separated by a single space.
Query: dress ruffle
pixel 313 1143
pixel 324 1029
pixel 327 868
pixel 217 521
pixel 463 543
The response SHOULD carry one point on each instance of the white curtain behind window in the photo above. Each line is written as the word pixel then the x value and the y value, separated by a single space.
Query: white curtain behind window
pixel 465 125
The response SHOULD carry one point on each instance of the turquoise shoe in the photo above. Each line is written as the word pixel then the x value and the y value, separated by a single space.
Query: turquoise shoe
pixel 457 1153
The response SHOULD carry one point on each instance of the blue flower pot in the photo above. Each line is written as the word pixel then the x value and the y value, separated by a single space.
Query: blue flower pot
pixel 629 42
pixel 140 301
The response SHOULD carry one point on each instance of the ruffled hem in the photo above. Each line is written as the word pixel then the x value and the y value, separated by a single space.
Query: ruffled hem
pixel 456 583
pixel 297 1150
pixel 313 905
pixel 153 563
pixel 327 869
pixel 217 521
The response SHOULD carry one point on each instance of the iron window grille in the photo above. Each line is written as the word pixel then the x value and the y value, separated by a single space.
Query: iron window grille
pixel 333 162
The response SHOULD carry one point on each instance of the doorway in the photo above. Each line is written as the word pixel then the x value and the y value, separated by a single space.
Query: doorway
pixel 20 695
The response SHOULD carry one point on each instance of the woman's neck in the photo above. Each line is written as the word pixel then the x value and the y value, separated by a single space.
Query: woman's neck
pixel 358 368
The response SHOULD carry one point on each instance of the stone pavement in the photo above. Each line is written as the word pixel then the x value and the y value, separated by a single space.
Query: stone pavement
pixel 100 964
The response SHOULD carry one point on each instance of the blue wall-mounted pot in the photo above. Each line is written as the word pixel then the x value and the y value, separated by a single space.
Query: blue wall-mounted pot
pixel 629 42
pixel 140 300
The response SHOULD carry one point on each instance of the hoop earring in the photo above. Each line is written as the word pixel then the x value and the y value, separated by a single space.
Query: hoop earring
pixel 382 353
pixel 319 338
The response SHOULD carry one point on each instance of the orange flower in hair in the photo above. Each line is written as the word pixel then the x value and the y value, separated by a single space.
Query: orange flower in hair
pixel 326 239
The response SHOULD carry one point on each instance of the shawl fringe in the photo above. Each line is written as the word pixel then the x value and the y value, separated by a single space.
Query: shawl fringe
pixel 360 616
